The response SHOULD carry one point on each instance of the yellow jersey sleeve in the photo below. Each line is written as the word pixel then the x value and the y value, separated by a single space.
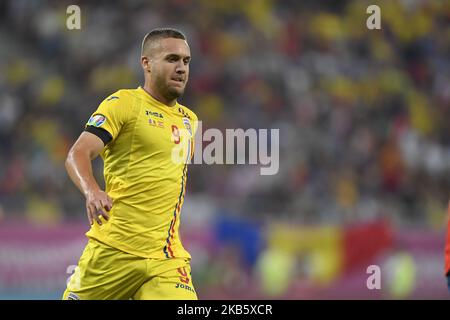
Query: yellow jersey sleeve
pixel 111 114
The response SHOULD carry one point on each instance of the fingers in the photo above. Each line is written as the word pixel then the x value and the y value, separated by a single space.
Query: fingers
pixel 94 212
pixel 89 214
pixel 96 206
pixel 107 206
pixel 99 212
pixel 107 203
pixel 110 201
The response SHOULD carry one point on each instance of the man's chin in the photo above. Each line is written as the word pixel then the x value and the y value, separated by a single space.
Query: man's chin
pixel 176 92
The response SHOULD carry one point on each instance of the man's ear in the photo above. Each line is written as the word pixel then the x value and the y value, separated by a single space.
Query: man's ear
pixel 145 63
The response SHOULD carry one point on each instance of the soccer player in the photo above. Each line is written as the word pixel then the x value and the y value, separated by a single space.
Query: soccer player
pixel 134 249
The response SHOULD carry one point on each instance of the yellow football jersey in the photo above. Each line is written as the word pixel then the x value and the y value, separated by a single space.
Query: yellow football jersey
pixel 146 184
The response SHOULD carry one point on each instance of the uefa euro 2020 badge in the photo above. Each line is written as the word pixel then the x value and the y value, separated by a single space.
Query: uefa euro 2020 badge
pixel 96 120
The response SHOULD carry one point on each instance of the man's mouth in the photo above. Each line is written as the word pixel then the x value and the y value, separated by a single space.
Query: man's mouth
pixel 181 80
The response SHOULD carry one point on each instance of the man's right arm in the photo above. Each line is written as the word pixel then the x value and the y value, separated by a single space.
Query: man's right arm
pixel 79 167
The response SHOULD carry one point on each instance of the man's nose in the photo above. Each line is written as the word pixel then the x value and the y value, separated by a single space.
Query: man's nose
pixel 181 68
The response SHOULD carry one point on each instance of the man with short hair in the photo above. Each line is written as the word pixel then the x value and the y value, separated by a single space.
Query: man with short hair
pixel 134 249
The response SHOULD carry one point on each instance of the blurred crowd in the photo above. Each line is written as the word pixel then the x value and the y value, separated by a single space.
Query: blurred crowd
pixel 363 114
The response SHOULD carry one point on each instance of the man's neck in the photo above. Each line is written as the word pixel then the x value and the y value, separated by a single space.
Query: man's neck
pixel 157 96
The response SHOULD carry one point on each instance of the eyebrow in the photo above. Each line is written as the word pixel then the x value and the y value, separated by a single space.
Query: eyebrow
pixel 175 55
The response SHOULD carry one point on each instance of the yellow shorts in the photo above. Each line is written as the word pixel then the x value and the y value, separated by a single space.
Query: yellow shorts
pixel 104 272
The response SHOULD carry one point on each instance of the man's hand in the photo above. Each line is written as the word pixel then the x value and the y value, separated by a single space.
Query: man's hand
pixel 78 165
pixel 97 204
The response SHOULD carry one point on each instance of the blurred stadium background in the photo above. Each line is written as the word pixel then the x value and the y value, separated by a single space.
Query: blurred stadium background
pixel 364 141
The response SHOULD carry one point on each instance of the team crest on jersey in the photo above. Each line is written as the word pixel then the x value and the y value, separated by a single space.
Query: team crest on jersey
pixel 96 120
pixel 187 125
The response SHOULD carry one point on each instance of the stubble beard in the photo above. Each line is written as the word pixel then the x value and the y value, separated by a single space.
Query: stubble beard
pixel 167 91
